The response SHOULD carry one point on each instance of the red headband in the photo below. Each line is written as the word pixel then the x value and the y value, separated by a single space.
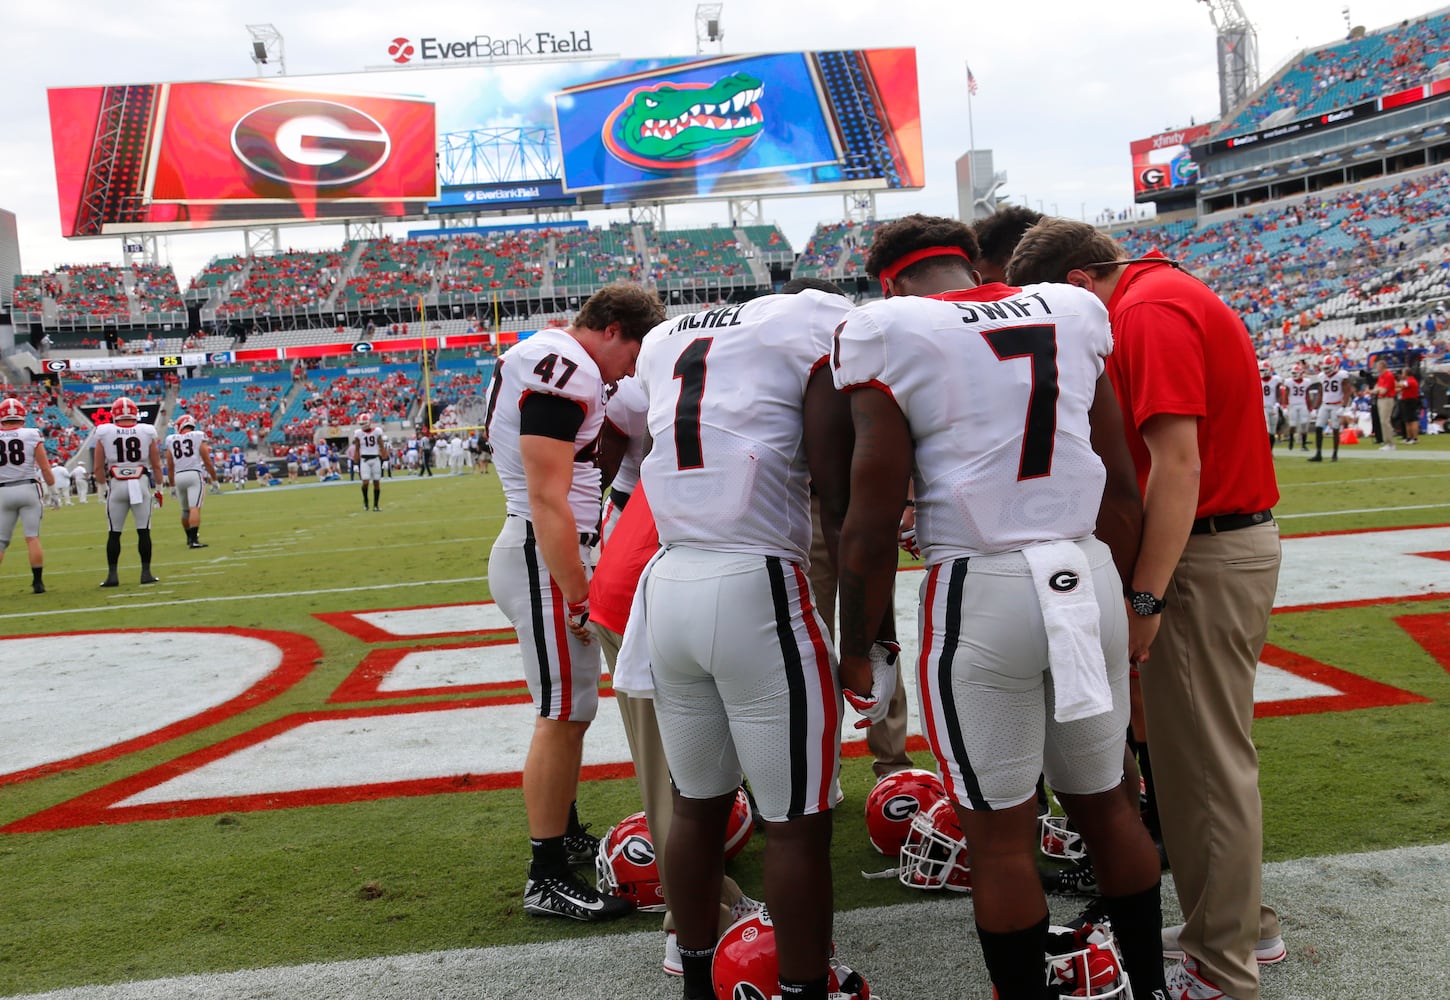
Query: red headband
pixel 919 255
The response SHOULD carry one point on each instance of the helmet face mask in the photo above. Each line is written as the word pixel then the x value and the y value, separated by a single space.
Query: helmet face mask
pixel 625 865
pixel 1330 363
pixel 935 854
pixel 365 420
pixel 1060 841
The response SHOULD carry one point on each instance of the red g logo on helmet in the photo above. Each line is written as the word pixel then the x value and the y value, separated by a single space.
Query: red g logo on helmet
pixel 311 142
pixel 400 50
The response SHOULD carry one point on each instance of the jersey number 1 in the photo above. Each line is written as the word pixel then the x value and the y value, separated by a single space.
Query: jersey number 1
pixel 1040 432
pixel 690 370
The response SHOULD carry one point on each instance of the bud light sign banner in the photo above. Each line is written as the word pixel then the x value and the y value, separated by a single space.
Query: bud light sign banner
pixel 209 154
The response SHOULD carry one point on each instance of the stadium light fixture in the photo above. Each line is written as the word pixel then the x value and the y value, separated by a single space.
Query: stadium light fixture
pixel 268 48
pixel 707 27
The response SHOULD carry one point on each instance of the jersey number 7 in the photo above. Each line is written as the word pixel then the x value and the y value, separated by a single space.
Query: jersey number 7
pixel 1039 434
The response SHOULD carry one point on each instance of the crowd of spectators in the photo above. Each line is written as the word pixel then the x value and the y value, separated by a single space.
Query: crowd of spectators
pixel 337 401
pixel 1353 70
pixel 1285 261
pixel 294 280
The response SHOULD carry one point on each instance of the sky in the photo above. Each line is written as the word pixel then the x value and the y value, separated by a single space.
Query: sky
pixel 1063 87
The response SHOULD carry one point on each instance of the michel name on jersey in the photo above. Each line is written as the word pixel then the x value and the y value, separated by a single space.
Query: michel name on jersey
pixel 710 319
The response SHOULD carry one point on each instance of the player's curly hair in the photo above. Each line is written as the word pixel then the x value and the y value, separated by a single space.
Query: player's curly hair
pixel 635 308
pixel 1053 247
pixel 999 233
pixel 917 232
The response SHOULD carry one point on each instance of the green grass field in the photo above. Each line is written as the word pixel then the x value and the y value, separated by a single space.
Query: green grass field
pixel 103 904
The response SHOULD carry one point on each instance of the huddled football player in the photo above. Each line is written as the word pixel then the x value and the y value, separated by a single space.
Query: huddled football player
pixel 545 410
pixel 1025 665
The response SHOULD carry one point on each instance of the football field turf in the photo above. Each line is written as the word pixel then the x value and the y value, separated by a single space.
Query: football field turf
pixel 252 779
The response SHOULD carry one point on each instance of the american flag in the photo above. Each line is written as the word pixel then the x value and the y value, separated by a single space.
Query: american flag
pixel 971 82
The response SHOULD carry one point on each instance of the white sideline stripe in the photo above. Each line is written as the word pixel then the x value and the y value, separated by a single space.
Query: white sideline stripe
pixel 1360 510
pixel 249 597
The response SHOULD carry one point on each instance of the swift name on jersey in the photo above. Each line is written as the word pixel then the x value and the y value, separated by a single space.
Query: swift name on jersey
pixel 995 384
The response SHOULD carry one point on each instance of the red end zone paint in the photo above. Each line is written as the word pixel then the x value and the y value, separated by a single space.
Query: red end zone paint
pixel 1432 632
pixel 1354 691
pixel 299 655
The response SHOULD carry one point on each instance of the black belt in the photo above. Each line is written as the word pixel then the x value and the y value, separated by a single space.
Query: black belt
pixel 619 498
pixel 19 482
pixel 1219 523
pixel 588 539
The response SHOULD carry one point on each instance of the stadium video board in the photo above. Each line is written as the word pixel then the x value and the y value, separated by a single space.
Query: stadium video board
pixel 696 128
pixel 1164 162
pixel 366 145
pixel 188 155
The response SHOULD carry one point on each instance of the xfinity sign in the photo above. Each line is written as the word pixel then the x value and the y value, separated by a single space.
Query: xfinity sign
pixel 542 43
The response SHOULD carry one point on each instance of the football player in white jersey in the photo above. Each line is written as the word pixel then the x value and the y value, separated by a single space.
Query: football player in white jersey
pixel 23 464
pixel 1333 398
pixel 126 453
pixel 621 446
pixel 743 668
pixel 1272 385
pixel 1298 386
pixel 369 451
pixel 995 402
pixel 60 490
pixel 190 468
pixel 544 412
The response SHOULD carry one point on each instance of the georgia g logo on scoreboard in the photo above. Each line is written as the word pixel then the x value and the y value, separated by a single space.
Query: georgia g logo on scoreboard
pixel 311 142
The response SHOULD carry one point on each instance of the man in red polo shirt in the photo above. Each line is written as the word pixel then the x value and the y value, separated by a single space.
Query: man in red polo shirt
pixel 1202 587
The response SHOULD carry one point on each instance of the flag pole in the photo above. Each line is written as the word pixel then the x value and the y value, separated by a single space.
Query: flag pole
pixel 971 130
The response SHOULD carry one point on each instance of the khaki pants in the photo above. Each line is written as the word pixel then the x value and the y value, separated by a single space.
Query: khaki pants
pixel 887 739
pixel 1198 692
pixel 1385 405
pixel 653 774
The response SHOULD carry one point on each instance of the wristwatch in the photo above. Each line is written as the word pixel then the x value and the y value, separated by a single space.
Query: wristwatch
pixel 1145 604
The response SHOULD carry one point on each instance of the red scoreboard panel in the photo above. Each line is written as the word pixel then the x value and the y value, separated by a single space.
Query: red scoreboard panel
pixel 184 155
